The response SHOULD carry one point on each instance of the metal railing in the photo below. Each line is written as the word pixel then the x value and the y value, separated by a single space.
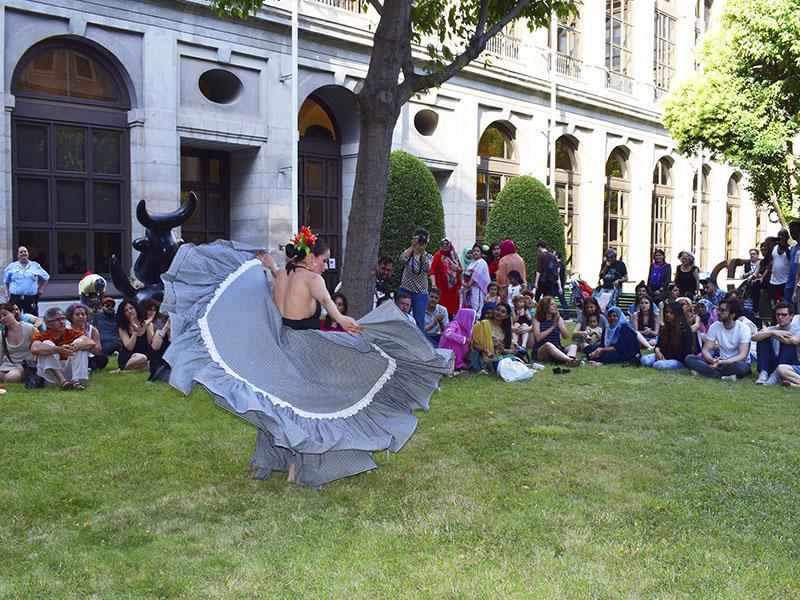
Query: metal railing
pixel 504 45
pixel 568 65
pixel 619 82
pixel 350 5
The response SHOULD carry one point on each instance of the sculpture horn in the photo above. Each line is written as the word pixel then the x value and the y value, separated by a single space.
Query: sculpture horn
pixel 167 220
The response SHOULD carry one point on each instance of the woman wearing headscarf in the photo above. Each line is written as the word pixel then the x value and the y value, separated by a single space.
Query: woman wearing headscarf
pixel 620 344
pixel 446 275
pixel 509 261
pixel 457 336
pixel 476 281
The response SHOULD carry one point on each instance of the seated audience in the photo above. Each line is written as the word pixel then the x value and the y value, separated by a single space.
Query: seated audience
pixel 15 351
pixel 593 331
pixel 673 292
pixel 159 332
pixel 521 322
pixel 403 302
pixel 327 323
pixel 457 336
pixel 62 353
pixel 105 320
pixel 706 313
pixel 491 338
pixel 493 293
pixel 590 308
pixel 31 319
pixel 675 341
pixel 646 322
pixel 711 292
pixel 733 338
pixel 78 317
pixel 436 318
pixel 548 329
pixel 132 330
pixel 620 343
pixel 642 292
pixel 777 344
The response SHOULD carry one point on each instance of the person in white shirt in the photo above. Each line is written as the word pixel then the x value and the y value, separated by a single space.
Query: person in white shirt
pixel 733 338
pixel 777 345
pixel 780 265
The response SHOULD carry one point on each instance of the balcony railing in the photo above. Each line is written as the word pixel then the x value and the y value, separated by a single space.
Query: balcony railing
pixel 568 65
pixel 351 5
pixel 619 82
pixel 504 45
pixel 660 93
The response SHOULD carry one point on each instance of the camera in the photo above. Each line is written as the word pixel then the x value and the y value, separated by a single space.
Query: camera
pixel 422 239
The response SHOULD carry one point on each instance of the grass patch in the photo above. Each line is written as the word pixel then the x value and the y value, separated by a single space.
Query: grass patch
pixel 612 482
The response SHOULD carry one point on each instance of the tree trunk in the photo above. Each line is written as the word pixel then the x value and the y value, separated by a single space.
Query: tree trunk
pixel 380 101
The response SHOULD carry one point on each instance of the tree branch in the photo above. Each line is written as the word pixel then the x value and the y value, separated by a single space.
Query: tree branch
pixel 377 6
pixel 482 17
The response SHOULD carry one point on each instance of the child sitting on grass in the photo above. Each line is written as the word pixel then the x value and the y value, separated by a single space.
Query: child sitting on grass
pixel 594 331
pixel 521 322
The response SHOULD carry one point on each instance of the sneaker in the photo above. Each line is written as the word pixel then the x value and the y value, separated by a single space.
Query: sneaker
pixel 772 380
pixel 763 376
pixel 728 378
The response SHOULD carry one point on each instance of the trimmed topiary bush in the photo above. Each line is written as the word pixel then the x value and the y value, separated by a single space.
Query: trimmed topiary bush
pixel 525 212
pixel 412 201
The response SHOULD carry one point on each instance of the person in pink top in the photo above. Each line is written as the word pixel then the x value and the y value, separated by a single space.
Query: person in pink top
pixel 509 261
pixel 457 337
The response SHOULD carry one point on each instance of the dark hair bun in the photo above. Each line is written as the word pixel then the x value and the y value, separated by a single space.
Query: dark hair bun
pixel 292 252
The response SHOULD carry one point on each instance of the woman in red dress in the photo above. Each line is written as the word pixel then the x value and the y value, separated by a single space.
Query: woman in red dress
pixel 446 275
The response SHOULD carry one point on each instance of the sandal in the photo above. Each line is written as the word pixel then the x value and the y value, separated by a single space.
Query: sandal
pixel 67 385
pixel 78 386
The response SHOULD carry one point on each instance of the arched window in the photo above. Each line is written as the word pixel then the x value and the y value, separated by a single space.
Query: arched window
pixel 732 219
pixel 70 172
pixel 568 183
pixel 497 163
pixel 661 210
pixel 615 205
pixel 619 45
pixel 703 214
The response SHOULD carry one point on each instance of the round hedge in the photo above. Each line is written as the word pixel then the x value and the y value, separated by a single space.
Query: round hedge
pixel 525 212
pixel 412 201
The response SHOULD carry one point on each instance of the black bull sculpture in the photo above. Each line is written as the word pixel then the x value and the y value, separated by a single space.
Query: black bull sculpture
pixel 156 250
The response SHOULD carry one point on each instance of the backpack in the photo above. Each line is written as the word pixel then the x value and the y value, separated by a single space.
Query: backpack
pixel 553 274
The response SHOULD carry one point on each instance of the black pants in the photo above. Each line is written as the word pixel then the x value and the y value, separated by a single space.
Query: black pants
pixel 27 303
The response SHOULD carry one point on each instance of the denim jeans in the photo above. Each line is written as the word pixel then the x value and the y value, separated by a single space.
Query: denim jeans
pixel 768 360
pixel 698 363
pixel 419 304
pixel 668 364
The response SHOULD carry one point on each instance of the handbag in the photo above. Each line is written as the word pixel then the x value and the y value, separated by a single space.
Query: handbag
pixel 511 368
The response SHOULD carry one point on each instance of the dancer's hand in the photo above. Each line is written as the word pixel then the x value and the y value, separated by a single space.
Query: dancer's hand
pixel 266 260
pixel 350 325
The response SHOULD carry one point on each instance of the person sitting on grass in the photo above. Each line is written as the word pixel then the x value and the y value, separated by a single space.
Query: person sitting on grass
pixel 590 308
pixel 436 317
pixel 491 338
pixel 78 317
pixel 328 324
pixel 548 329
pixel 493 294
pixel 593 331
pixel 159 333
pixel 675 341
pixel 620 343
pixel 403 302
pixel 777 344
pixel 15 350
pixel 673 293
pixel 645 320
pixel 706 313
pixel 515 285
pixel 642 292
pixel 62 353
pixel 521 322
pixel 457 336
pixel 711 292
pixel 733 338
pixel 132 330
pixel 105 321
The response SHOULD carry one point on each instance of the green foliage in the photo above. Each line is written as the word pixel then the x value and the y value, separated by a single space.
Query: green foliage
pixel 412 201
pixel 745 105
pixel 525 212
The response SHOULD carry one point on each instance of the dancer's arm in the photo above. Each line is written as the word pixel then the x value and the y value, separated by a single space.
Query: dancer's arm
pixel 320 293
pixel 269 265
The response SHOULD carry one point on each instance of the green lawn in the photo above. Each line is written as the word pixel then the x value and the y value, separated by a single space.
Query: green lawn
pixel 605 482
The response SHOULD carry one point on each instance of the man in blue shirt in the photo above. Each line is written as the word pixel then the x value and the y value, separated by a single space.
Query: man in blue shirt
pixel 23 281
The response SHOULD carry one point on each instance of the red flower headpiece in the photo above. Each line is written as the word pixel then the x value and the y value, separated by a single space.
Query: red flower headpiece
pixel 303 239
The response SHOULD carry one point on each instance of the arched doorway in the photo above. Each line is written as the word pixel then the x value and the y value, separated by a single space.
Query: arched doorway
pixel 320 173
pixel 70 159
pixel 615 206
pixel 497 164
pixel 732 218
pixel 701 210
pixel 661 209
pixel 568 185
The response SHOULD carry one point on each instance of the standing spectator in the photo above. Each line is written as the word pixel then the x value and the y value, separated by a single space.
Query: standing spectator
pixel 106 323
pixel 509 261
pixel 620 344
pixel 446 275
pixel 750 268
pixel 15 351
pixel 675 341
pixel 132 329
pixel 382 275
pixel 613 273
pixel 23 282
pixel 457 336
pixel 62 353
pixel 436 318
pixel 328 324
pixel 548 329
pixel 765 299
pixel 780 266
pixel 476 281
pixel 659 276
pixel 78 317
pixel 515 285
pixel 562 282
pixel 493 260
pixel 548 281
pixel 414 282
pixel 687 275
pixel 733 338
pixel 403 302
pixel 777 345
pixel 789 294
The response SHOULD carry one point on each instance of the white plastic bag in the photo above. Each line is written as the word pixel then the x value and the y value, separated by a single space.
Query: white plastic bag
pixel 513 369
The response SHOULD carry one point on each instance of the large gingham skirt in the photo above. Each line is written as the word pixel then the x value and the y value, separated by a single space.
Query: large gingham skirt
pixel 321 400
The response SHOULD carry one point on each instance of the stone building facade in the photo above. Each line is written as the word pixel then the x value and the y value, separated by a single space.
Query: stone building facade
pixel 108 104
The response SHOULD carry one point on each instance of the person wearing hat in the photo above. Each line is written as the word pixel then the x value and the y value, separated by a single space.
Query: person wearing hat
pixel 105 321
